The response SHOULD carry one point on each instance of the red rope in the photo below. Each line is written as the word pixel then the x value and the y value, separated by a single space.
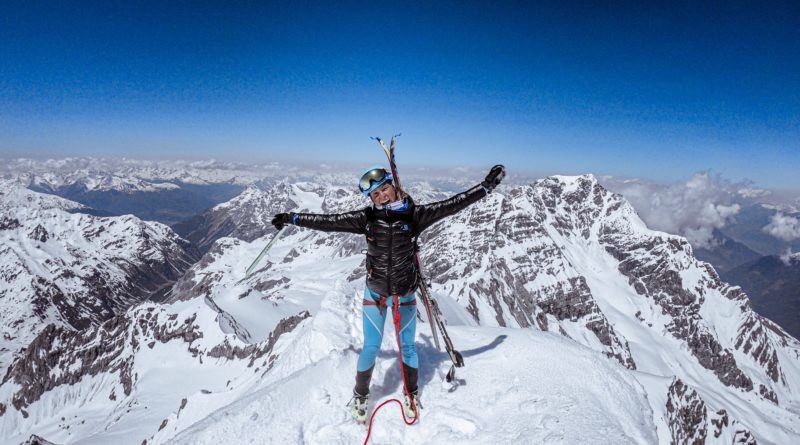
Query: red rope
pixel 396 318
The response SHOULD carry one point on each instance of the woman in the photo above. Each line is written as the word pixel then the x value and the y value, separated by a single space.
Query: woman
pixel 391 225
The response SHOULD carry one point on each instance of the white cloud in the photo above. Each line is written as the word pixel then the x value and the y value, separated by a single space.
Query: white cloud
pixel 692 209
pixel 788 257
pixel 784 227
pixel 751 192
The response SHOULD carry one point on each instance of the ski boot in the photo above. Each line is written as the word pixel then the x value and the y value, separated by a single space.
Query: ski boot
pixel 411 413
pixel 359 406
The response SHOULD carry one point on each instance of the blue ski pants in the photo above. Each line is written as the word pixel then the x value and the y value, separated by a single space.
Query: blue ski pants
pixel 374 321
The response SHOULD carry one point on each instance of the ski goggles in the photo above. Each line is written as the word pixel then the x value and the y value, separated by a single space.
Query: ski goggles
pixel 373 178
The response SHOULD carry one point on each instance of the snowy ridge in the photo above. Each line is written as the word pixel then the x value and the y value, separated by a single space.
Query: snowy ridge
pixel 12 197
pixel 124 375
pixel 248 216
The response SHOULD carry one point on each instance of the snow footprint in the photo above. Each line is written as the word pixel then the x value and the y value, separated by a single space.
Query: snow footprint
pixel 458 424
pixel 532 405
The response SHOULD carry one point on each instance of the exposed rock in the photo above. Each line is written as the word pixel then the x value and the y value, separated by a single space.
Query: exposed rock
pixel 649 267
pixel 60 356
pixel 36 440
pixel 256 351
pixel 686 415
pixel 8 223
pixel 768 394
pixel 689 421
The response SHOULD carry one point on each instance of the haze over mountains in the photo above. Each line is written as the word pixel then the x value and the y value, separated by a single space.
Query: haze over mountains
pixel 541 278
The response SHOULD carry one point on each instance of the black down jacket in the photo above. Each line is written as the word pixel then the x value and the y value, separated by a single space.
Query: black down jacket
pixel 391 236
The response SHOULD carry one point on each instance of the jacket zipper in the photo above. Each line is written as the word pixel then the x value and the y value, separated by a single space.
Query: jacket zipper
pixel 389 263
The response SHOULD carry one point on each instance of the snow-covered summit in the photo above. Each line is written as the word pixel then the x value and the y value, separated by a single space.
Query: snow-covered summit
pixel 13 196
pixel 565 255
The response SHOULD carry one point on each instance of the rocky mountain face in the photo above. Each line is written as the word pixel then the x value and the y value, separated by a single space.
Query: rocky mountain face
pixel 690 421
pixel 115 367
pixel 773 285
pixel 566 255
pixel 75 270
pixel 561 255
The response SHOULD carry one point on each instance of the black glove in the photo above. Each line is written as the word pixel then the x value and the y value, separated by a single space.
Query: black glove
pixel 496 174
pixel 281 219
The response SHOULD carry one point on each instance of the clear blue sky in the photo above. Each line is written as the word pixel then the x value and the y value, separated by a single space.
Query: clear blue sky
pixel 655 91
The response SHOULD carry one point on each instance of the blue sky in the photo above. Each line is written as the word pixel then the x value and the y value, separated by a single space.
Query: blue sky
pixel 656 91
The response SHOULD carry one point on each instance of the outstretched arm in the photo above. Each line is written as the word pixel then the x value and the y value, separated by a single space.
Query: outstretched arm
pixel 353 222
pixel 431 213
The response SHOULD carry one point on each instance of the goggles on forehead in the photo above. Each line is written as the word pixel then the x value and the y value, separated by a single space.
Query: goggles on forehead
pixel 372 179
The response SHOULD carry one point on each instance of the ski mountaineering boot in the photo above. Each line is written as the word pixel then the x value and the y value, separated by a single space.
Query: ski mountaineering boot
pixel 360 403
pixel 410 412
pixel 359 407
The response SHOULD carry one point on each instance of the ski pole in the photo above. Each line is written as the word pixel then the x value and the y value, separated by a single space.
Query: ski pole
pixel 264 251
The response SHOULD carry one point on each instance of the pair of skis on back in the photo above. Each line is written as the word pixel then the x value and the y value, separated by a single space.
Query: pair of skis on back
pixel 434 313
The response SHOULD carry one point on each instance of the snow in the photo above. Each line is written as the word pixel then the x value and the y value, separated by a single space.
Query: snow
pixel 517 385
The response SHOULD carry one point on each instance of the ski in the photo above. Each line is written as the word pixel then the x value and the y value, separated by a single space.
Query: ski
pixel 392 166
pixel 435 316
pixel 438 320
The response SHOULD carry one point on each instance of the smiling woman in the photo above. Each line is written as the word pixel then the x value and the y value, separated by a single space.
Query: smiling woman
pixel 391 228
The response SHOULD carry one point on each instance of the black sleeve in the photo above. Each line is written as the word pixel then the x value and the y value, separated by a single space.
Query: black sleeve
pixel 430 213
pixel 353 222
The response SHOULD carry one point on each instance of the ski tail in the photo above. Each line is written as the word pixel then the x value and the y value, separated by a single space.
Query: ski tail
pixel 429 312
pixel 438 321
